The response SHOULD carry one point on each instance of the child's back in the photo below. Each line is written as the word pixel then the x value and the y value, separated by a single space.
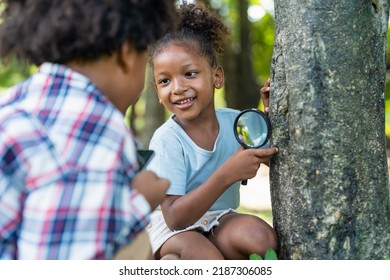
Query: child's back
pixel 68 182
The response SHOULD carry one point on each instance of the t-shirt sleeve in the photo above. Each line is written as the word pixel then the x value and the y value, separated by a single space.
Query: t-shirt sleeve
pixel 169 162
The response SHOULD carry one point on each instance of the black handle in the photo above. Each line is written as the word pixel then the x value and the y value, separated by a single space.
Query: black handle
pixel 244 182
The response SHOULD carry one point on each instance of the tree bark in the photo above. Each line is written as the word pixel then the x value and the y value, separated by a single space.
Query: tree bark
pixel 329 181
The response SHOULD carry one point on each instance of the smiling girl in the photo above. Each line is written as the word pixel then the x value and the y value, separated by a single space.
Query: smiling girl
pixel 197 151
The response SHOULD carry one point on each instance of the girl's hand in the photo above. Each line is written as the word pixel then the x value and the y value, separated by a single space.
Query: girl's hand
pixel 244 163
pixel 264 94
pixel 152 187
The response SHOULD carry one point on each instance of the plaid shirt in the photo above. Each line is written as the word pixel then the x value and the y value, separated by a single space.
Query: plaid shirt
pixel 66 164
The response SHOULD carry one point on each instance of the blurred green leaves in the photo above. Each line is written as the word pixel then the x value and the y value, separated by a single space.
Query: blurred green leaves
pixel 262 38
pixel 13 73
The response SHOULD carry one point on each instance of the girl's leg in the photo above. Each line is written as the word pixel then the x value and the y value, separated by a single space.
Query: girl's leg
pixel 189 245
pixel 239 235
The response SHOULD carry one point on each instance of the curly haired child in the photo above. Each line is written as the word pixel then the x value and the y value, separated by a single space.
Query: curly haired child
pixel 197 151
pixel 69 187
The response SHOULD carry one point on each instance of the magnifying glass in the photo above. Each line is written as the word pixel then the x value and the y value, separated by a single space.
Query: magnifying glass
pixel 252 130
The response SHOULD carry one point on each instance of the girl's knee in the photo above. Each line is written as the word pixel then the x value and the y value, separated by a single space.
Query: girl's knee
pixel 263 238
pixel 256 236
pixel 241 235
pixel 271 239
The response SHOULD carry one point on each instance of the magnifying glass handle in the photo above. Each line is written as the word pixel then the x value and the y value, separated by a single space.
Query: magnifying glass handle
pixel 244 182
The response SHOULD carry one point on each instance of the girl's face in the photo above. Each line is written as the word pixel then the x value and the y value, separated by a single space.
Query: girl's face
pixel 185 82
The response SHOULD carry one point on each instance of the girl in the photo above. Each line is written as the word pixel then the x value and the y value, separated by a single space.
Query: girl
pixel 197 151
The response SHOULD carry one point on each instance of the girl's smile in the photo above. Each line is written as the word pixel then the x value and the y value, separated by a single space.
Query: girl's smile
pixel 185 103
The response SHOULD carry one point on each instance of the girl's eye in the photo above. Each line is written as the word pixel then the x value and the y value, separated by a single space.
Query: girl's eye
pixel 191 74
pixel 163 81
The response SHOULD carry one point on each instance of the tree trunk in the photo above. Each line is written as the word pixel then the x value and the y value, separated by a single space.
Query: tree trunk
pixel 329 181
pixel 154 115
pixel 241 90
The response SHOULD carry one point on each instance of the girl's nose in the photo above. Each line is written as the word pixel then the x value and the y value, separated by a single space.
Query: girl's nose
pixel 177 87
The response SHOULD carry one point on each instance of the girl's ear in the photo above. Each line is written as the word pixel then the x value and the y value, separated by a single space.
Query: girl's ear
pixel 219 77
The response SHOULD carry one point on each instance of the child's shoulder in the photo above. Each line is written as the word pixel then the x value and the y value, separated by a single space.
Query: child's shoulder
pixel 227 112
pixel 166 128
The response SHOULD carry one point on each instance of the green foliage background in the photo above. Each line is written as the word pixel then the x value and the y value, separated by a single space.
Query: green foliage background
pixel 262 36
pixel 13 73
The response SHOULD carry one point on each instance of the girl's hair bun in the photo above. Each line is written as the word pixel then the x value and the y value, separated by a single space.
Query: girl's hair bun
pixel 197 19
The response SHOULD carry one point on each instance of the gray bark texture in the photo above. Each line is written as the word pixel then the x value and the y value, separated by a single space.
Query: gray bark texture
pixel 329 181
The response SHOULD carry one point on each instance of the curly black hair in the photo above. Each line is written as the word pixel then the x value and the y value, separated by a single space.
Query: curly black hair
pixel 36 31
pixel 199 29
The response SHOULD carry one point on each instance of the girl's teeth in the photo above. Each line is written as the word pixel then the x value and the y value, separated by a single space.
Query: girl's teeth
pixel 185 101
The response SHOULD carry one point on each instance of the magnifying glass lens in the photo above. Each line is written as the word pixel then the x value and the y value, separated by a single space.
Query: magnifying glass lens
pixel 252 128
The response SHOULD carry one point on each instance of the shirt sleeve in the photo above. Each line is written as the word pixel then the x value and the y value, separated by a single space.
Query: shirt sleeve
pixel 169 162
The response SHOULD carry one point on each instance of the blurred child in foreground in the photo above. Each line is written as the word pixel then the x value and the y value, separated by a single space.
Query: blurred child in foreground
pixel 68 182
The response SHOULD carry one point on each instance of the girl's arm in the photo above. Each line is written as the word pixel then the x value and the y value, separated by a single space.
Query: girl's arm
pixel 182 211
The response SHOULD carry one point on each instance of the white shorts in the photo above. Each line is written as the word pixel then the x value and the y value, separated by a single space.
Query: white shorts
pixel 159 232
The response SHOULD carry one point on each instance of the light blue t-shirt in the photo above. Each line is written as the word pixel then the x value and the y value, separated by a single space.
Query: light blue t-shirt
pixel 186 165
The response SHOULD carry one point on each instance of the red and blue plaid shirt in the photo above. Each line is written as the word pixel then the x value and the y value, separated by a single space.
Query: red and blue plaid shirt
pixel 67 160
